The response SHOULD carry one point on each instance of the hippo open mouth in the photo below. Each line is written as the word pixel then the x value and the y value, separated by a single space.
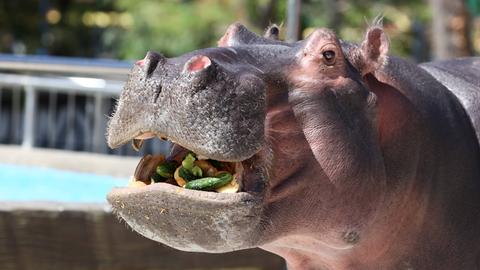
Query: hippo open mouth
pixel 193 220
pixel 245 172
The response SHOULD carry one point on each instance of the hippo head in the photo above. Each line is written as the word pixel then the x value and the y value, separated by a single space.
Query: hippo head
pixel 296 117
pixel 211 102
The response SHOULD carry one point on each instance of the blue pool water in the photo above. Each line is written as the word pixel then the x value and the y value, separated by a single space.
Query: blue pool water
pixel 22 183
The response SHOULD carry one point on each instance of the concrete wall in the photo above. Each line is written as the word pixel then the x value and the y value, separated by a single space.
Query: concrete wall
pixel 51 236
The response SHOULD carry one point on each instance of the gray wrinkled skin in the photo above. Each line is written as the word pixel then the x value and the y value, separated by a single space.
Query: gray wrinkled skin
pixel 360 160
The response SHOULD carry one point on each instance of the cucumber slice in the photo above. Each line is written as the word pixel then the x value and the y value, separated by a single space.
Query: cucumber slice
pixel 156 178
pixel 186 174
pixel 209 183
pixel 166 169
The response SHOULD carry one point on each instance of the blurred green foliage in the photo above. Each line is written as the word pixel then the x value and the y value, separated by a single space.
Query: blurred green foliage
pixel 175 27
pixel 350 19
pixel 172 27
pixel 126 29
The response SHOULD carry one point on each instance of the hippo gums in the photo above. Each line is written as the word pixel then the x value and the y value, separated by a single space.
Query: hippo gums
pixel 347 157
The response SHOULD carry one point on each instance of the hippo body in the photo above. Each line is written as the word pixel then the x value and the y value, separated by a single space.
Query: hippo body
pixel 352 159
pixel 461 77
pixel 439 150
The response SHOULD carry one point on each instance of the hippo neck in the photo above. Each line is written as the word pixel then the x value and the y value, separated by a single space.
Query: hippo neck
pixel 425 132
pixel 421 127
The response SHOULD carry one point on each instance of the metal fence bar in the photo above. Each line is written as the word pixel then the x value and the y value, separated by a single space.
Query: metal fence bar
pixel 4 126
pixel 51 121
pixel 1 94
pixel 70 124
pixel 16 115
pixel 29 117
pixel 98 123
pixel 88 129
pixel 65 84
pixel 65 65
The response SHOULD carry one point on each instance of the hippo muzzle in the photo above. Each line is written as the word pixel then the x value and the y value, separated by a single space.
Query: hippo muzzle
pixel 202 105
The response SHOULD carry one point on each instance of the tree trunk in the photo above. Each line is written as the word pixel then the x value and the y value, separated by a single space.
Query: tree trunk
pixel 293 20
pixel 335 15
pixel 451 29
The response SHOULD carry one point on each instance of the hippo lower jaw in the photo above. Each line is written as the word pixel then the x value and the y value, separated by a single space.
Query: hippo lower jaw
pixel 192 220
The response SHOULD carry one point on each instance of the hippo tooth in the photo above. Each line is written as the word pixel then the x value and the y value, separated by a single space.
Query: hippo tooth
pixel 137 144
pixel 200 157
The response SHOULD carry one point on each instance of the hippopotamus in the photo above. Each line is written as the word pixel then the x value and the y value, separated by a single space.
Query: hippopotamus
pixel 351 158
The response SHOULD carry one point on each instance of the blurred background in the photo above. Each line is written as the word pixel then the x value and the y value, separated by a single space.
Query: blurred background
pixel 125 29
pixel 62 66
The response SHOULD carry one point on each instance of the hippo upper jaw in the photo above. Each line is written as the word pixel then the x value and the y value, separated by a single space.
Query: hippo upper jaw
pixel 194 101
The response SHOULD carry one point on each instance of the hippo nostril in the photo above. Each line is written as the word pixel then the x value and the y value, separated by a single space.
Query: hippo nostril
pixel 150 62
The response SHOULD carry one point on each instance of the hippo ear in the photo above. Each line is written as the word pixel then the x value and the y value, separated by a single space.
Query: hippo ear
pixel 237 34
pixel 272 32
pixel 234 35
pixel 373 50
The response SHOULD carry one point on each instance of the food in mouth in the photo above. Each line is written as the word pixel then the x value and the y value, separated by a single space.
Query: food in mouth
pixel 187 171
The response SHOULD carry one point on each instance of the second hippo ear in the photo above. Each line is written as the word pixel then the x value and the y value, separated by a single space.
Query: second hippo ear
pixel 272 32
pixel 199 69
pixel 234 35
pixel 237 35
pixel 373 51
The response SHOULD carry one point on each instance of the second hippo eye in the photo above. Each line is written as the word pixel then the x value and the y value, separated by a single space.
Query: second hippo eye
pixel 329 57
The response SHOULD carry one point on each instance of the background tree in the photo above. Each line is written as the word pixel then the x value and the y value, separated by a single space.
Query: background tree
pixel 451 29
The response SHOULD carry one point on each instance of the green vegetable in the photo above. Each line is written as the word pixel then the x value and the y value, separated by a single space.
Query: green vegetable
pixel 209 183
pixel 157 178
pixel 197 171
pixel 188 164
pixel 186 174
pixel 217 164
pixel 166 169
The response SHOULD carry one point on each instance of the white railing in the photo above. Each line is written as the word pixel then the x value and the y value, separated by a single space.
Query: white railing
pixel 35 84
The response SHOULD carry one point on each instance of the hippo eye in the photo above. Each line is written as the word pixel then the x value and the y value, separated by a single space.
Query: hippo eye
pixel 329 57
